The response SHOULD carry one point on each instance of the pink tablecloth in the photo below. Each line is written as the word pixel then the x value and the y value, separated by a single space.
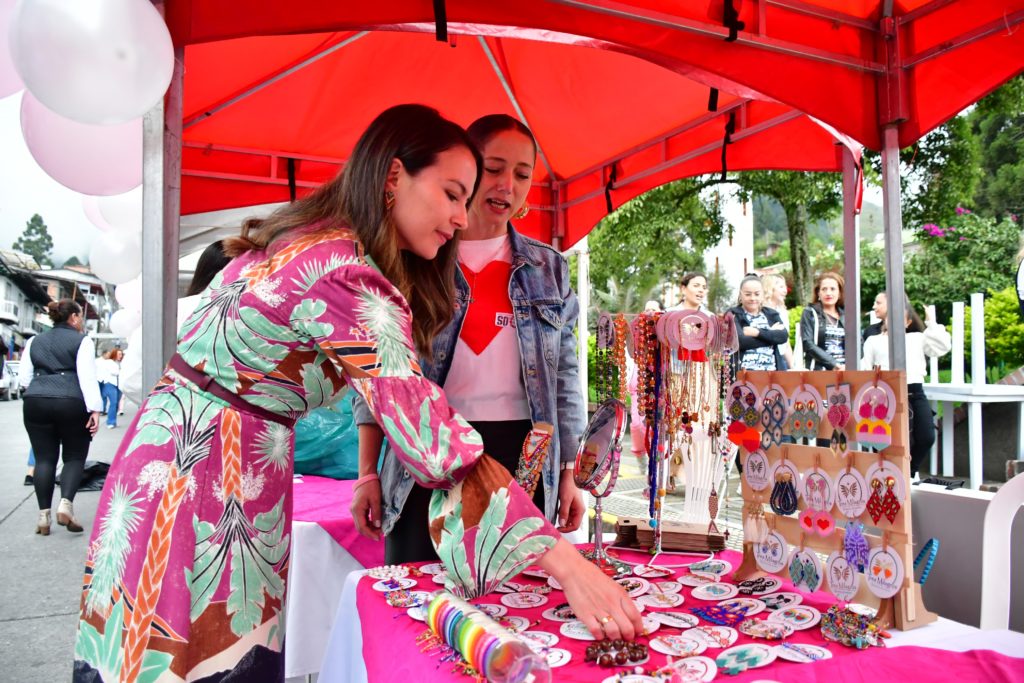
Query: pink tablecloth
pixel 391 653
pixel 326 502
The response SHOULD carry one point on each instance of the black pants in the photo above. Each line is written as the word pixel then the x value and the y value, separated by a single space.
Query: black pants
pixel 55 425
pixel 409 540
pixel 922 426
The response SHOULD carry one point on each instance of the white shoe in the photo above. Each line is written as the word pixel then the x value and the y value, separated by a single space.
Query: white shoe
pixel 66 516
pixel 111 426
pixel 43 525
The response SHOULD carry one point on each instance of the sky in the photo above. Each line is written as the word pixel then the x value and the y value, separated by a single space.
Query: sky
pixel 25 189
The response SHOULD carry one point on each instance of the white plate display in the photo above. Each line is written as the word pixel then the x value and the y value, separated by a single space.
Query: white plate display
pixel 755 471
pixel 388 585
pixel 432 568
pixel 440 578
pixel 492 610
pixel 575 629
pixel 561 613
pixel 852 492
pixel 714 636
pixel 650 624
pixel 802 653
pixel 693 669
pixel 693 580
pixel 748 656
pixel 634 585
pixel 656 600
pixel 556 657
pixel 677 645
pixel 630 678
pixel 714 591
pixel 666 587
pixel 651 571
pixel 553 582
pixel 538 640
pixel 523 600
pixel 388 571
pixel 884 573
pixel 515 622
pixel 714 566
pixel 762 585
pixel 772 553
pixel 752 606
pixel 675 619
pixel 418 612
pixel 767 629
pixel 537 573
pixel 781 600
pixel 800 617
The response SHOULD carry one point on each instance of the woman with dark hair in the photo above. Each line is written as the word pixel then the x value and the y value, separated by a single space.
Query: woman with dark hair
pixel 695 293
pixel 186 573
pixel 924 340
pixel 108 372
pixel 507 360
pixel 61 408
pixel 761 331
pixel 822 334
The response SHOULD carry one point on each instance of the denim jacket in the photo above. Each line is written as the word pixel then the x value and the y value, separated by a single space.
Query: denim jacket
pixel 546 310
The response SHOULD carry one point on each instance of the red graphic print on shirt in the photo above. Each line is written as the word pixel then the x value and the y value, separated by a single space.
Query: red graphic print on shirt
pixel 490 309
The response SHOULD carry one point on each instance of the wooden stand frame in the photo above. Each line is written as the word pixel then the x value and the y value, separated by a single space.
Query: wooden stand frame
pixel 906 609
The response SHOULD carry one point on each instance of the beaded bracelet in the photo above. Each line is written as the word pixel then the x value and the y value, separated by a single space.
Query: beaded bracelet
pixel 931 547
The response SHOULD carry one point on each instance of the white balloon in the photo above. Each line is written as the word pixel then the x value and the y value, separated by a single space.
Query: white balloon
pixel 129 294
pixel 93 61
pixel 123 212
pixel 115 258
pixel 123 322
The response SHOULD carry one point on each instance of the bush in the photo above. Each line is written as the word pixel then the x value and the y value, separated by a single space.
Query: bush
pixel 1004 333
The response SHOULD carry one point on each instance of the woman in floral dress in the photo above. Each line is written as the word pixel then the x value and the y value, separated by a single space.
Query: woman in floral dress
pixel 187 568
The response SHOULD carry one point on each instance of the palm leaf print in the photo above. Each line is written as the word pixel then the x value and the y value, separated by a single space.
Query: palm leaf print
pixel 274 444
pixel 386 323
pixel 113 544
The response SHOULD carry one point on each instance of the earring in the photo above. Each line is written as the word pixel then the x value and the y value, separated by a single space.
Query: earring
pixel 521 213
pixel 890 504
pixel 389 200
pixel 855 546
pixel 783 500
pixel 875 507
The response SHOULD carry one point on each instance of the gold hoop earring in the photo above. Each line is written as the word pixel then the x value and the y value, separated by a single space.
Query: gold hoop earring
pixel 521 213
pixel 389 201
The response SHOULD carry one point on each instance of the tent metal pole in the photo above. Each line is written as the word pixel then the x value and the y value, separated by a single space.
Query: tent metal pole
pixel 893 218
pixel 851 259
pixel 583 328
pixel 161 206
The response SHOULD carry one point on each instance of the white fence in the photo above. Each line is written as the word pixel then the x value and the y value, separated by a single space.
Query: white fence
pixel 973 394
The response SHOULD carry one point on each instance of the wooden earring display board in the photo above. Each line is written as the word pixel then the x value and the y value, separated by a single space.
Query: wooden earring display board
pixel 906 609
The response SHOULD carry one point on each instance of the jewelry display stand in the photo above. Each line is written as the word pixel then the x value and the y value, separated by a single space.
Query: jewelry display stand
pixel 905 610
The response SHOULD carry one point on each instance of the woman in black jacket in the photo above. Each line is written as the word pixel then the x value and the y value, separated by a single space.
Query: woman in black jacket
pixel 821 326
pixel 761 329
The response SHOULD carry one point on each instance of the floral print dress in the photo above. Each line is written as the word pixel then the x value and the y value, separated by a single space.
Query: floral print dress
pixel 187 567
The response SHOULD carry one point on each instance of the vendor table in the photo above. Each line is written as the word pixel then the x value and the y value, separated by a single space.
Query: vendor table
pixel 371 641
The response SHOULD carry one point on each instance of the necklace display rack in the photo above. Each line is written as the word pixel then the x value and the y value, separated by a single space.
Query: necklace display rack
pixel 905 610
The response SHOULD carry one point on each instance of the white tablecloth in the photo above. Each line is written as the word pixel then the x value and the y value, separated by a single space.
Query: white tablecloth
pixel 319 567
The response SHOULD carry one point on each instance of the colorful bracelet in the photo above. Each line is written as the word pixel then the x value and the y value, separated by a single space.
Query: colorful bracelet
pixel 931 548
pixel 364 479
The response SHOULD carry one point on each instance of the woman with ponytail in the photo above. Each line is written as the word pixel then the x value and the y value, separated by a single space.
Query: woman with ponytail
pixel 186 572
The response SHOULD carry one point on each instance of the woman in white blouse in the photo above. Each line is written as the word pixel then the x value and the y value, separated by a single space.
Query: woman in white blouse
pixel 924 340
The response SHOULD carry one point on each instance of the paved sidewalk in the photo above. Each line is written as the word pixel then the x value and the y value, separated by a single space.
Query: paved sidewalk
pixel 40 596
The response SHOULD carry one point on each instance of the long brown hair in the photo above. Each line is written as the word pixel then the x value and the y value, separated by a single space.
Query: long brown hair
pixel 829 275
pixel 414 134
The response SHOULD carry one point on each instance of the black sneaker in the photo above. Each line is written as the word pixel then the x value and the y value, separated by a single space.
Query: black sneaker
pixel 29 481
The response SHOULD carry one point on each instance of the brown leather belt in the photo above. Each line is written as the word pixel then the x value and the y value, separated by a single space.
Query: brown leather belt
pixel 206 383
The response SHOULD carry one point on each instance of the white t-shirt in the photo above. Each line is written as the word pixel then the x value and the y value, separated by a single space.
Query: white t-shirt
pixel 485 381
pixel 933 342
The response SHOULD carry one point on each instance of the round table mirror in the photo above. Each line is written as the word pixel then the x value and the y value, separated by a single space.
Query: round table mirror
pixel 597 468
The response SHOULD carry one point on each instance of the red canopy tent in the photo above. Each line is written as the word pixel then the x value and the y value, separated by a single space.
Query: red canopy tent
pixel 882 72
pixel 609 126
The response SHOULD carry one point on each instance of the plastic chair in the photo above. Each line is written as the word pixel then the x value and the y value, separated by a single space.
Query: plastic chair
pixel 995 554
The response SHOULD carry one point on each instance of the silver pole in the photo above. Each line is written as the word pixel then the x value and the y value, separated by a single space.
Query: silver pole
pixel 851 252
pixel 583 297
pixel 161 207
pixel 893 218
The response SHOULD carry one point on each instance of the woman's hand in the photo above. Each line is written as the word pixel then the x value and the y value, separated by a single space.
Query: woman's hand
pixel 598 602
pixel 751 331
pixel 93 423
pixel 365 509
pixel 570 503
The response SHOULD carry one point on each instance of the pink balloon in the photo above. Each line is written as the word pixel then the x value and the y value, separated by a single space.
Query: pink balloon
pixel 96 160
pixel 10 81
pixel 91 207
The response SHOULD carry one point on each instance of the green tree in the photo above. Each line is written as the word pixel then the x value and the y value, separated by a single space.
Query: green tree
pixel 36 241
pixel 617 297
pixel 998 123
pixel 73 261
pixel 656 237
pixel 805 197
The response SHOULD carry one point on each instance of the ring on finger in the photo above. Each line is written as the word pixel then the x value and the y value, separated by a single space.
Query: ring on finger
pixel 605 619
